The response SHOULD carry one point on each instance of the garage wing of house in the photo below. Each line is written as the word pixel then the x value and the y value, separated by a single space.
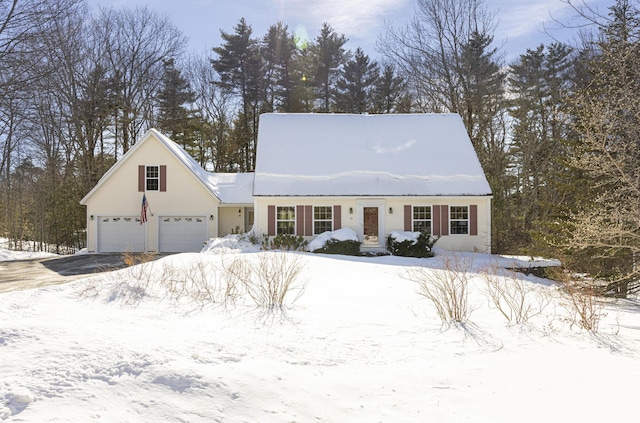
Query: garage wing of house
pixel 186 205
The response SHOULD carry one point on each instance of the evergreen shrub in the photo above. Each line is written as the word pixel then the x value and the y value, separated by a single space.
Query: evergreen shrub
pixel 423 247
pixel 334 246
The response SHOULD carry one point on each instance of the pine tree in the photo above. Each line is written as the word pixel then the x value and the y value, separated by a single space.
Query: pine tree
pixel 278 52
pixel 240 67
pixel 357 82
pixel 328 55
pixel 539 82
pixel 174 99
pixel 389 92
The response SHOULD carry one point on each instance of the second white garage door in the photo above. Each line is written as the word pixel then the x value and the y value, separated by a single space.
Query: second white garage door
pixel 182 234
pixel 120 233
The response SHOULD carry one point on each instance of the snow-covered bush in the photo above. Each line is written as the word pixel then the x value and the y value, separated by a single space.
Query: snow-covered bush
pixel 410 244
pixel 342 241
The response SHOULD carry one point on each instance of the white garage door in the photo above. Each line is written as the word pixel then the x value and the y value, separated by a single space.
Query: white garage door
pixel 120 233
pixel 182 233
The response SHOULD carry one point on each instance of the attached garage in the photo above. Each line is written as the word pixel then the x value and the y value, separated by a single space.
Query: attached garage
pixel 120 233
pixel 180 198
pixel 182 233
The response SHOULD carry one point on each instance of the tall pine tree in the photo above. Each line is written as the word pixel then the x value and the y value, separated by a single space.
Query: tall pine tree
pixel 240 67
pixel 357 83
pixel 174 100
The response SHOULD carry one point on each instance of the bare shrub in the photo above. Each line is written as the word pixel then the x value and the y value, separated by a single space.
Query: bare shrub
pixel 511 296
pixel 585 309
pixel 447 289
pixel 274 280
pixel 235 274
pixel 205 283
pixel 132 259
pixel 90 288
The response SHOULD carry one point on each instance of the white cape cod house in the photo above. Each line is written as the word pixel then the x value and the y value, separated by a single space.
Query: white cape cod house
pixel 373 173
pixel 314 173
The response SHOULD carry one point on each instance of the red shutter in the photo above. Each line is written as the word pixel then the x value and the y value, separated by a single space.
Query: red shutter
pixel 473 219
pixel 308 220
pixel 337 217
pixel 444 220
pixel 436 221
pixel 407 218
pixel 271 220
pixel 141 178
pixel 299 220
pixel 163 178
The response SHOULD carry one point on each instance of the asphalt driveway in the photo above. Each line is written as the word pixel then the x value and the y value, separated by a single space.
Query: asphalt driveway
pixel 34 273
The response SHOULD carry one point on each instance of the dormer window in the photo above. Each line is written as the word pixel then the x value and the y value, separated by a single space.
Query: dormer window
pixel 152 179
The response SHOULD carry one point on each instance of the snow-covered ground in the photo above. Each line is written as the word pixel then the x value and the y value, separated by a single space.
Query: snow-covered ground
pixel 360 345
pixel 6 254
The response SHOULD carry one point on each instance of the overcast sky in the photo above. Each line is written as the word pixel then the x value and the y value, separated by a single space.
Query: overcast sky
pixel 521 23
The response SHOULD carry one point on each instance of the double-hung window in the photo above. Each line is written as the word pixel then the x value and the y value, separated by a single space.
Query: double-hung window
pixel 152 178
pixel 422 219
pixel 459 220
pixel 322 219
pixel 285 220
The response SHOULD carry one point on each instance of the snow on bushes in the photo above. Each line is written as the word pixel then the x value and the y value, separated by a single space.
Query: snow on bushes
pixel 410 244
pixel 342 241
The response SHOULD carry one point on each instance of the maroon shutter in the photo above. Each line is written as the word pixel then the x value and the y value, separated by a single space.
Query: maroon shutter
pixel 163 178
pixel 473 219
pixel 444 220
pixel 299 220
pixel 271 220
pixel 407 218
pixel 141 178
pixel 436 221
pixel 308 220
pixel 337 217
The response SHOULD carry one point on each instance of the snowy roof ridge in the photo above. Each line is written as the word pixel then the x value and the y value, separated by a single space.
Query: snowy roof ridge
pixel 390 175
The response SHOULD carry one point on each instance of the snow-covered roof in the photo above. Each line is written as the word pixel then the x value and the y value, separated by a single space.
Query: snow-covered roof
pixel 366 155
pixel 229 188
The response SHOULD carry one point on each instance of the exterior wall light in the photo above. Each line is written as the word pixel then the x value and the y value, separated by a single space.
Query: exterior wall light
pixel 390 210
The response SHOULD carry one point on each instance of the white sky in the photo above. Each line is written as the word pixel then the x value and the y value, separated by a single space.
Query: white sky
pixel 521 23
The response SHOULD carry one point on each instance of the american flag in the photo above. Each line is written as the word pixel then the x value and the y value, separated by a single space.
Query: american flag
pixel 143 212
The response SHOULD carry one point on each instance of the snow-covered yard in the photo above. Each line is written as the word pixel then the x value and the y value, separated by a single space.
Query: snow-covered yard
pixel 360 345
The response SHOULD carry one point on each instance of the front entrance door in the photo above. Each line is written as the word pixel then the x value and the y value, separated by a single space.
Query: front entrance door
pixel 370 225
